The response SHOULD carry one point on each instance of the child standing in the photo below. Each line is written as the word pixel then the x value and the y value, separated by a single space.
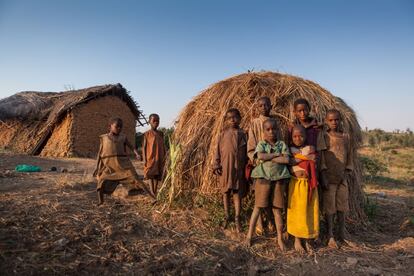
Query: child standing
pixel 335 166
pixel 301 110
pixel 231 160
pixel 303 207
pixel 153 153
pixel 113 165
pixel 256 135
pixel 270 175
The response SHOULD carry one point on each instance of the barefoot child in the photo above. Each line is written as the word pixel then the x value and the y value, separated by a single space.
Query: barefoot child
pixel 113 165
pixel 303 207
pixel 335 165
pixel 231 160
pixel 256 135
pixel 301 109
pixel 153 153
pixel 271 174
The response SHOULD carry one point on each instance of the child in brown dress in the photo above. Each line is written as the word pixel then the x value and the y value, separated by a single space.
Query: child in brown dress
pixel 335 166
pixel 113 165
pixel 231 160
pixel 153 153
pixel 256 135
pixel 271 174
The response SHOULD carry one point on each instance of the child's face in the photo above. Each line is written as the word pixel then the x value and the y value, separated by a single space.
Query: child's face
pixel 298 137
pixel 302 112
pixel 264 107
pixel 270 131
pixel 115 128
pixel 154 122
pixel 233 119
pixel 333 120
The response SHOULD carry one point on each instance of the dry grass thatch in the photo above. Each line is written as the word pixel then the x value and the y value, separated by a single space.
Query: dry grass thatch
pixel 33 116
pixel 201 121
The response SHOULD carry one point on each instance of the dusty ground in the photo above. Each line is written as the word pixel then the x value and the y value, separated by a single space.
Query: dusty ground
pixel 49 224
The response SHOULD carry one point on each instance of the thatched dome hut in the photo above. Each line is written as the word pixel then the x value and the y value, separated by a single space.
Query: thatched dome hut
pixel 201 121
pixel 65 124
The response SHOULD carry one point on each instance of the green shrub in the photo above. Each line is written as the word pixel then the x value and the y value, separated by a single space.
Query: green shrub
pixel 372 167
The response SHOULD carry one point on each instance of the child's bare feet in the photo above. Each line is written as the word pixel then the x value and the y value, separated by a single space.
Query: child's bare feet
pixel 332 243
pixel 285 236
pixel 248 242
pixel 309 247
pixel 281 244
pixel 298 246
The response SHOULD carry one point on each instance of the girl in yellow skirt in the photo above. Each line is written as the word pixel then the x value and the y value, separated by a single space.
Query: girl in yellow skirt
pixel 303 206
pixel 113 164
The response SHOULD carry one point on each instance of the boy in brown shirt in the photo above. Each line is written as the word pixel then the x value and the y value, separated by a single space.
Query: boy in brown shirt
pixel 335 166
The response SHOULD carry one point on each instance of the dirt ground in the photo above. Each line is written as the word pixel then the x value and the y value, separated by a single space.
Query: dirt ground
pixel 50 224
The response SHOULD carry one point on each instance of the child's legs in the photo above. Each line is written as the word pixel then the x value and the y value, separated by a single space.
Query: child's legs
pixel 237 203
pixel 100 196
pixel 253 221
pixel 278 203
pixel 329 206
pixel 226 203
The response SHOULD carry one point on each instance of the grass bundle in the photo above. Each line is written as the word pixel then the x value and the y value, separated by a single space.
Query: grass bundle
pixel 200 122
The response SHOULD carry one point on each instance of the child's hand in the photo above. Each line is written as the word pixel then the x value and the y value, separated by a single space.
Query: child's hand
pixel 218 171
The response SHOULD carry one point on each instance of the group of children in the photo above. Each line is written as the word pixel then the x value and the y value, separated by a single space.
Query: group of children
pixel 114 166
pixel 285 176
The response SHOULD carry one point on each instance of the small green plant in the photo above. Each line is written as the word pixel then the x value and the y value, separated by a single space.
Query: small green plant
pixel 371 167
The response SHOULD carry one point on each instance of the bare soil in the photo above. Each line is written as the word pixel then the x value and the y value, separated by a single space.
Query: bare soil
pixel 50 224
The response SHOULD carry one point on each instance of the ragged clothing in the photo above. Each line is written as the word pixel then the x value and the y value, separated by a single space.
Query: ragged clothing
pixel 154 154
pixel 255 135
pixel 311 130
pixel 231 157
pixel 268 169
pixel 306 158
pixel 114 165
pixel 335 155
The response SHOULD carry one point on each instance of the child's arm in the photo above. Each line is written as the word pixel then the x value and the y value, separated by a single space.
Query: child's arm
pixel 349 157
pixel 283 156
pixel 144 150
pixel 98 160
pixel 217 169
pixel 128 144
pixel 263 156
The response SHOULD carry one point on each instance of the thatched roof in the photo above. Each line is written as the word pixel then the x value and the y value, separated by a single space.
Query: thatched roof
pixel 39 105
pixel 48 108
pixel 201 121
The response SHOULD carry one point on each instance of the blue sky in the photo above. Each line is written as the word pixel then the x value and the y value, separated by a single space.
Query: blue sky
pixel 165 52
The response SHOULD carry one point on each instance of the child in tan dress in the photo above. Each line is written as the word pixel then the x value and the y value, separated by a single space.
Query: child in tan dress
pixel 113 165
pixel 231 160
pixel 153 153
pixel 335 166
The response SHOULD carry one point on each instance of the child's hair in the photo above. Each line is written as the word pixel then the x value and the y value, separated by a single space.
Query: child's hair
pixel 153 115
pixel 234 111
pixel 333 111
pixel 301 101
pixel 270 120
pixel 115 120
pixel 264 98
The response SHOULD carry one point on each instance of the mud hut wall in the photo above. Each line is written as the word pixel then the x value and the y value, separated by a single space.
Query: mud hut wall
pixel 90 120
pixel 18 135
pixel 59 143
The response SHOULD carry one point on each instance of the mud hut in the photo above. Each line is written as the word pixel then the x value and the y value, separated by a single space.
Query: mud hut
pixel 65 124
pixel 201 121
